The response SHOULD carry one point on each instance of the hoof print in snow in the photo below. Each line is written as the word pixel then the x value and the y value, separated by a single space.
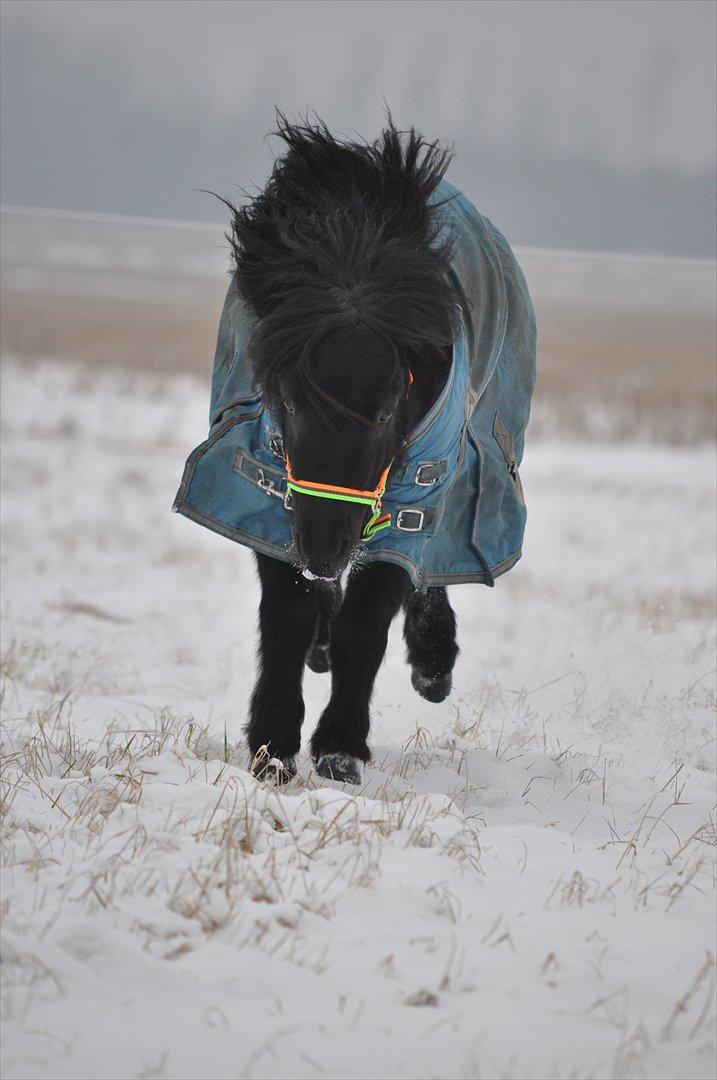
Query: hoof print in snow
pixel 342 768
pixel 273 770
pixel 422 997
pixel 434 690
pixel 318 659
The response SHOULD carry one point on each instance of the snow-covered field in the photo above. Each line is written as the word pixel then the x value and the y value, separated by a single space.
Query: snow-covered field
pixel 523 887
pixel 525 884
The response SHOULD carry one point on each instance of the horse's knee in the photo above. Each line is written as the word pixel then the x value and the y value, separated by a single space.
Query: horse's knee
pixel 430 635
pixel 356 637
pixel 430 617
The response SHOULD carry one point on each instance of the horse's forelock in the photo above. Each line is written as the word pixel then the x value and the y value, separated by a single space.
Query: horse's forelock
pixel 344 235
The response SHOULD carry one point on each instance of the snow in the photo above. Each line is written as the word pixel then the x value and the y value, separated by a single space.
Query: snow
pixel 524 884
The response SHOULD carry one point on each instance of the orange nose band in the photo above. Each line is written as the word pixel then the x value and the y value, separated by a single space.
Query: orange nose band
pixel 334 491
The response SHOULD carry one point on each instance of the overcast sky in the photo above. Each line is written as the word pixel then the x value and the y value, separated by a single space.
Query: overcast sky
pixel 587 124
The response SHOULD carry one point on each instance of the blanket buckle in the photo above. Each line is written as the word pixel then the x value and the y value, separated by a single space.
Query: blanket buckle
pixel 410 520
pixel 267 484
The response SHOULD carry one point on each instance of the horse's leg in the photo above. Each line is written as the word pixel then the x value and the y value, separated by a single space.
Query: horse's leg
pixel 359 633
pixel 328 596
pixel 288 614
pixel 430 634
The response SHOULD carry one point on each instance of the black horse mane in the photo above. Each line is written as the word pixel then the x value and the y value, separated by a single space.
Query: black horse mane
pixel 344 234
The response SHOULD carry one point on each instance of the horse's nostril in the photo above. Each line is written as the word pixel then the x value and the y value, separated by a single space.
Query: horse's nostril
pixel 317 543
pixel 339 547
pixel 324 560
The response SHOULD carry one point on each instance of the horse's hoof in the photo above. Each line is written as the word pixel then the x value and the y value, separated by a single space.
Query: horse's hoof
pixel 318 659
pixel 273 770
pixel 434 690
pixel 342 768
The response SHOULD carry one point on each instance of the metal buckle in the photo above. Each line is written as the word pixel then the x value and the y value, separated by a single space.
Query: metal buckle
pixel 267 484
pixel 428 466
pixel 401 517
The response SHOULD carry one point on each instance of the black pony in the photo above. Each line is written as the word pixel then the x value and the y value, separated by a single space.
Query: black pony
pixel 340 263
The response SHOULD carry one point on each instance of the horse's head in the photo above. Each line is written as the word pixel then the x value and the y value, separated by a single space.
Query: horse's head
pixel 344 421
pixel 345 263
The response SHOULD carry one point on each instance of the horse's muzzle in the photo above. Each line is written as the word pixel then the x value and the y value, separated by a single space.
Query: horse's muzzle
pixel 324 564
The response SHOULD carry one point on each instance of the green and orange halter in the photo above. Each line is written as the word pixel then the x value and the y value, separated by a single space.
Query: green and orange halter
pixel 372 499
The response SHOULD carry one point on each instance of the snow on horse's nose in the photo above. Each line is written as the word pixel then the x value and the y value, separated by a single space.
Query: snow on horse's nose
pixel 323 543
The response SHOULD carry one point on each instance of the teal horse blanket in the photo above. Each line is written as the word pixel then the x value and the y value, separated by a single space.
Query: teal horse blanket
pixel 456 502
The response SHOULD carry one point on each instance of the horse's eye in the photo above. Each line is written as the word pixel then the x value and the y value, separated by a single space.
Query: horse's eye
pixel 385 418
pixel 288 406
